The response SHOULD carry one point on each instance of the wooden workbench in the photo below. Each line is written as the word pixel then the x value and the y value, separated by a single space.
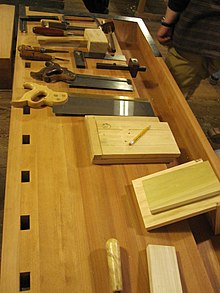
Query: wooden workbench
pixel 69 208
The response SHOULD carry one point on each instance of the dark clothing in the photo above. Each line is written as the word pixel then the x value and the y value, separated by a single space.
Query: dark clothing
pixel 198 27
pixel 177 5
pixel 97 6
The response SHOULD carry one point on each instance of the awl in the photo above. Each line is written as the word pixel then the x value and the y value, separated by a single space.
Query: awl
pixel 46 31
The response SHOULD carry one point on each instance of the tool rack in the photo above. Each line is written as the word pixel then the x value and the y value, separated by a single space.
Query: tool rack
pixel 60 209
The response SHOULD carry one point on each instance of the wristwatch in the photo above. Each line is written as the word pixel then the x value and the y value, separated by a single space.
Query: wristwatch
pixel 164 23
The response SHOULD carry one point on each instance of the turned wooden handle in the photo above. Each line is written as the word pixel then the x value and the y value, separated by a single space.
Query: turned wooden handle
pixel 114 264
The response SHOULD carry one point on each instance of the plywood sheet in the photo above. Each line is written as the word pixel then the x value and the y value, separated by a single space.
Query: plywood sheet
pixel 180 187
pixel 163 269
pixel 109 139
pixel 174 215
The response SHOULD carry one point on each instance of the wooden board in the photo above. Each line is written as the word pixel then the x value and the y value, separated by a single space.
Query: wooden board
pixel 97 41
pixel 183 212
pixel 109 139
pixel 163 269
pixel 7 13
pixel 180 187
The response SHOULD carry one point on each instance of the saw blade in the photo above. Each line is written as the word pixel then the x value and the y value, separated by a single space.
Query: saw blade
pixel 101 82
pixel 88 104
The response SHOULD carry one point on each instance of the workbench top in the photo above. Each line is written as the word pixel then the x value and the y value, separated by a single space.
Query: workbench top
pixel 60 209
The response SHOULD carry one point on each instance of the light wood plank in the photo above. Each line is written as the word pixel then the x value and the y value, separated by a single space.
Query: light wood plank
pixel 97 41
pixel 180 187
pixel 114 135
pixel 183 212
pixel 7 14
pixel 163 269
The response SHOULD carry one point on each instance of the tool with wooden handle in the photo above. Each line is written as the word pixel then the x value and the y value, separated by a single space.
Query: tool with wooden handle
pixel 114 264
pixel 75 41
pixel 38 56
pixel 39 96
pixel 39 49
pixel 46 31
pixel 61 25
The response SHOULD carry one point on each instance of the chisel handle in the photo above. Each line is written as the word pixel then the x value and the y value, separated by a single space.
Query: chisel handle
pixel 114 264
pixel 36 56
pixel 44 31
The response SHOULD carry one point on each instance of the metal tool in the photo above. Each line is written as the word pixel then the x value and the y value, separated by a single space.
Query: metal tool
pixel 45 31
pixel 61 25
pixel 114 264
pixel 38 17
pixel 23 18
pixel 79 57
pixel 53 72
pixel 39 96
pixel 133 66
pixel 39 49
pixel 108 28
pixel 38 56
pixel 105 105
pixel 22 13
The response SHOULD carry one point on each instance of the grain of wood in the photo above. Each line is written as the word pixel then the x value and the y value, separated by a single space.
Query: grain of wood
pixel 114 135
pixel 97 41
pixel 180 187
pixel 170 216
pixel 7 14
pixel 163 269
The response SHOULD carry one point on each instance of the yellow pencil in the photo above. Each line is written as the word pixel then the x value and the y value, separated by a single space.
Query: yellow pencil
pixel 139 135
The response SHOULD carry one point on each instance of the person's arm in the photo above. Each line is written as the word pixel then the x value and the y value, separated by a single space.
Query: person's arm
pixel 174 8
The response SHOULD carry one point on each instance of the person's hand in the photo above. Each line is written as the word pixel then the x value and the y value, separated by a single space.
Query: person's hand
pixel 164 35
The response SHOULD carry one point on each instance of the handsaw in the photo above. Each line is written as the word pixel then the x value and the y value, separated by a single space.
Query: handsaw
pixel 76 104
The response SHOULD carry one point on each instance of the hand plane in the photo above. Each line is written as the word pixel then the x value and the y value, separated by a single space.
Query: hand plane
pixel 39 96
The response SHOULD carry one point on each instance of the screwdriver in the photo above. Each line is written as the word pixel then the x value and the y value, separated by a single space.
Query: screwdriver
pixel 46 31
pixel 38 56
pixel 39 49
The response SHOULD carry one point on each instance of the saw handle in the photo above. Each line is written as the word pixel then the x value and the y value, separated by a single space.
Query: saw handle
pixel 114 264
pixel 39 96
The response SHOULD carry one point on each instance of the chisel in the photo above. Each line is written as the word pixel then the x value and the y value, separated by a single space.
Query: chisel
pixel 39 49
pixel 46 31
pixel 114 264
pixel 38 56
pixel 60 25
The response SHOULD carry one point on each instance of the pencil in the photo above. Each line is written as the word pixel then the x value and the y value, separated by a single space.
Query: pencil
pixel 139 135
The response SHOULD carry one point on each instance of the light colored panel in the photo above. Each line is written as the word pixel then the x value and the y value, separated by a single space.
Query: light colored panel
pixel 180 187
pixel 115 134
pixel 6 23
pixel 97 41
pixel 163 269
pixel 161 219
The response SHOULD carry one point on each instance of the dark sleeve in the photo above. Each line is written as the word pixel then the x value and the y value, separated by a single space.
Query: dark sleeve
pixel 178 5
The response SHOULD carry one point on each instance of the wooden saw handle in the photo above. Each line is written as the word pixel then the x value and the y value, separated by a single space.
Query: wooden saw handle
pixel 39 96
pixel 114 264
